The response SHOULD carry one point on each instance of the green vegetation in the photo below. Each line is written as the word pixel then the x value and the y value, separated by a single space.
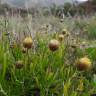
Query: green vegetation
pixel 49 62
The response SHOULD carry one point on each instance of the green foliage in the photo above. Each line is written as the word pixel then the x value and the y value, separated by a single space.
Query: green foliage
pixel 92 30
pixel 44 73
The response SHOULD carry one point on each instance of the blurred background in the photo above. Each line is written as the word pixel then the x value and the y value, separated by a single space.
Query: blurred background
pixel 53 7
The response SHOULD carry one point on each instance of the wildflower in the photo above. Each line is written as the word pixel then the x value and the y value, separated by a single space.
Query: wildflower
pixel 19 64
pixel 54 45
pixel 83 63
pixel 24 50
pixel 61 37
pixel 27 43
pixel 64 31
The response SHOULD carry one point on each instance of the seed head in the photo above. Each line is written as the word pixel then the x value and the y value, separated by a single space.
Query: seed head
pixel 83 64
pixel 24 50
pixel 27 43
pixel 54 45
pixel 64 31
pixel 19 64
pixel 61 37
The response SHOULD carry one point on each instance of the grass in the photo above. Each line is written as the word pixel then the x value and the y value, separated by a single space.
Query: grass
pixel 44 73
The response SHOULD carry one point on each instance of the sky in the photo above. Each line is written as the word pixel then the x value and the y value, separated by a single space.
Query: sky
pixel 30 3
pixel 82 0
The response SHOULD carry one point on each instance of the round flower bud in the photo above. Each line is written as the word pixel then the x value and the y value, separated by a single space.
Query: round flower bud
pixel 61 37
pixel 19 64
pixel 64 31
pixel 54 45
pixel 24 50
pixel 27 43
pixel 83 63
